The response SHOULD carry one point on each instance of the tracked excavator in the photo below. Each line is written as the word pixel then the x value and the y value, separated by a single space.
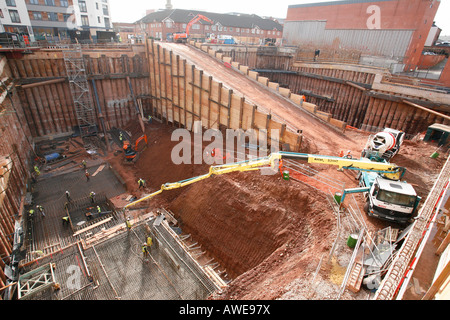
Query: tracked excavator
pixel 132 151
pixel 182 37
pixel 388 198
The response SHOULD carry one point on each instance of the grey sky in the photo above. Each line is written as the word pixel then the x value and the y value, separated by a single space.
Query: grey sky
pixel 132 10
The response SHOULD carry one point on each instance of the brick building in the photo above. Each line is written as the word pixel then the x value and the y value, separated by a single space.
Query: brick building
pixel 244 28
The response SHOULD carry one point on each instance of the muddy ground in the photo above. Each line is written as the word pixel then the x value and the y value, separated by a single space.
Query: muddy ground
pixel 267 233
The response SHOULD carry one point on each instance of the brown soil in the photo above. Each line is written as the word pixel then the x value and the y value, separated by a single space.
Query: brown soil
pixel 266 232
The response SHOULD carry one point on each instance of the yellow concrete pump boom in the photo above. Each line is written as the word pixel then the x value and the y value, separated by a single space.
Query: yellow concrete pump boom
pixel 390 171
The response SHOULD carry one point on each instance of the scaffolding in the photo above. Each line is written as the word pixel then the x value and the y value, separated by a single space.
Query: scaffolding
pixel 79 89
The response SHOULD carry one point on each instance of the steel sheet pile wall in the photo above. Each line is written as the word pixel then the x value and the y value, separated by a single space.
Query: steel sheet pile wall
pixel 14 165
pixel 48 104
pixel 329 90
pixel 258 57
pixel 351 94
pixel 182 94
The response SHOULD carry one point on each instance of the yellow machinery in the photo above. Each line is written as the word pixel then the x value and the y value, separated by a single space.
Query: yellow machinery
pixel 390 171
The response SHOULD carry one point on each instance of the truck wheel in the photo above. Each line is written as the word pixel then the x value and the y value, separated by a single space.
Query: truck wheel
pixel 366 207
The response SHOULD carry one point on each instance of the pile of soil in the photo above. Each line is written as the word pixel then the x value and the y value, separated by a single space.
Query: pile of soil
pixel 266 232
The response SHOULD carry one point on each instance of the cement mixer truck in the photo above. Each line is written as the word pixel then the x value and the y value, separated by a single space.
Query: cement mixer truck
pixel 383 145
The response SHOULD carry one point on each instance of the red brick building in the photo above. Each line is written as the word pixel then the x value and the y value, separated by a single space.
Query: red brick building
pixel 244 28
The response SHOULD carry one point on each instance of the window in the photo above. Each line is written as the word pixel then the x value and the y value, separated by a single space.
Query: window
pixel 105 10
pixel 213 28
pixel 238 29
pixel 396 198
pixel 231 29
pixel 52 16
pixel 82 5
pixel 37 16
pixel 168 24
pixel 98 19
pixel 184 26
pixel 224 28
pixel 34 1
pixel 11 3
pixel 64 3
pixel 206 28
pixel 66 16
pixel 14 14
pixel 84 21
pixel 107 23
pixel 96 5
pixel 195 27
pixel 1 14
pixel 50 2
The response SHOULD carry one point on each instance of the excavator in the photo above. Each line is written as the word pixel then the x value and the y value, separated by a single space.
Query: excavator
pixel 132 152
pixel 388 198
pixel 181 37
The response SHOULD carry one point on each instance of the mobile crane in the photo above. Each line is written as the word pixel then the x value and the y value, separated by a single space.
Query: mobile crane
pixel 387 197
pixel 182 37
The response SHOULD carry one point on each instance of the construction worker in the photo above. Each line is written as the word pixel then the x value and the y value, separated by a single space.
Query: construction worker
pixel 86 173
pixel 144 248
pixel 128 223
pixel 83 163
pixel 348 155
pixel 99 210
pixel 121 137
pixel 65 220
pixel 68 196
pixel 92 196
pixel 36 169
pixel 41 210
pixel 280 166
pixel 149 243
pixel 141 183
pixel 31 214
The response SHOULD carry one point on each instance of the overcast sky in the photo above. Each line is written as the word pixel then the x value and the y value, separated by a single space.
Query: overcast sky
pixel 132 10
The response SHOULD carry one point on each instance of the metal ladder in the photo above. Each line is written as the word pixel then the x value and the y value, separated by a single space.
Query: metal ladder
pixel 79 88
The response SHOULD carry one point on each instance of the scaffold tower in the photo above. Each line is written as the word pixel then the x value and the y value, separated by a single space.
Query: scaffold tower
pixel 79 88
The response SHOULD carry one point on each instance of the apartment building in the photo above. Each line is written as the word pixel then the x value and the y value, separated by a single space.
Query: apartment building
pixel 14 17
pixel 52 19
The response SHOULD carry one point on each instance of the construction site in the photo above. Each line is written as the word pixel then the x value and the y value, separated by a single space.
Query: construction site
pixel 336 186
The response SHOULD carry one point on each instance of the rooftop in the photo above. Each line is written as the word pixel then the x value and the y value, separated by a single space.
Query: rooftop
pixel 239 20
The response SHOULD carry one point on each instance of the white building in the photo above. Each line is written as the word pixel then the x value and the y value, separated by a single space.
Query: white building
pixel 52 19
pixel 14 17
pixel 94 15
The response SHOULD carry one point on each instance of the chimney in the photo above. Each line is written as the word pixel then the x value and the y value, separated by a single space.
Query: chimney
pixel 169 5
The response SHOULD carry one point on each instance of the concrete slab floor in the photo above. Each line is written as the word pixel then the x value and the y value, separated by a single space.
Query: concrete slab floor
pixel 49 192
